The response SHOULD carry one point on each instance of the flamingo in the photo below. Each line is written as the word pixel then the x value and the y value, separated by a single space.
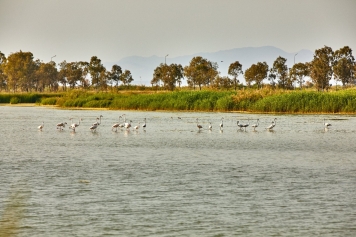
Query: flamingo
pixel 270 127
pixel 198 125
pixel 41 126
pixel 210 127
pixel 137 126
pixel 239 124
pixel 128 125
pixel 327 125
pixel 74 125
pixel 255 125
pixel 116 125
pixel 144 125
pixel 221 124
pixel 61 125
pixel 98 123
pixel 246 125
pixel 93 127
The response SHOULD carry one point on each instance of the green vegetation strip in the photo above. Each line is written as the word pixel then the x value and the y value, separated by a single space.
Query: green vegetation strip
pixel 258 101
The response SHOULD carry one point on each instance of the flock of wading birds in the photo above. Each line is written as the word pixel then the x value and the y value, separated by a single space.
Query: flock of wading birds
pixel 127 125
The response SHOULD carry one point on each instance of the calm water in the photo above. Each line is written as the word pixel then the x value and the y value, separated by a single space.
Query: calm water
pixel 172 180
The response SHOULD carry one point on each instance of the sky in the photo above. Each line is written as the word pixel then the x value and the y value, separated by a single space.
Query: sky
pixel 76 30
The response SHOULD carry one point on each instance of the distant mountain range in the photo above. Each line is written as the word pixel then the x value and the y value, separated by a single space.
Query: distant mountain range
pixel 142 67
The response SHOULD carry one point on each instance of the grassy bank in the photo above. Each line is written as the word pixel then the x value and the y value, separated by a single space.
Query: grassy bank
pixel 258 101
pixel 16 98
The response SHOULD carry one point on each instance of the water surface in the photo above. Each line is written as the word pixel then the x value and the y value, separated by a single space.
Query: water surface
pixel 173 180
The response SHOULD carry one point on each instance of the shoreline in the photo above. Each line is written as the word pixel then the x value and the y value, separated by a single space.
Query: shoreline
pixel 183 111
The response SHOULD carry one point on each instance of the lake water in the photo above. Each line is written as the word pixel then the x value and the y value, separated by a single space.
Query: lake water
pixel 172 179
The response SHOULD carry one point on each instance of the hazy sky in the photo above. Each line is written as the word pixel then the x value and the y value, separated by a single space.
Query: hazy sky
pixel 75 30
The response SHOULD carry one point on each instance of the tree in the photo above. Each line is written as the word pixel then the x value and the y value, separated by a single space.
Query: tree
pixel 95 69
pixel 126 77
pixel 47 76
pixel 200 72
pixel 115 74
pixel 2 74
pixel 321 69
pixel 235 69
pixel 280 70
pixel 344 65
pixel 299 71
pixel 20 69
pixel 169 75
pixel 223 83
pixel 256 73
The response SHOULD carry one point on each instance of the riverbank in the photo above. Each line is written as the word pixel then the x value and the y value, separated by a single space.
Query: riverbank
pixel 251 101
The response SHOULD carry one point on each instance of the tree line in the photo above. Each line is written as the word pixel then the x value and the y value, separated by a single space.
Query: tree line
pixel 20 72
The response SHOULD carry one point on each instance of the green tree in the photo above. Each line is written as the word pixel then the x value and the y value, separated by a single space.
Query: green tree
pixel 223 83
pixel 280 69
pixel 235 69
pixel 126 77
pixel 20 69
pixel 256 73
pixel 95 69
pixel 47 77
pixel 321 67
pixel 169 75
pixel 299 71
pixel 200 72
pixel 115 74
pixel 344 65
pixel 2 74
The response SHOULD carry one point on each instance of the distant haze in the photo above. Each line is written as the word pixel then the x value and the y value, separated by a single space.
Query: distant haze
pixel 142 67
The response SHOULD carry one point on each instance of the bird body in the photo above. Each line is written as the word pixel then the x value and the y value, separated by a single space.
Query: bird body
pixel 221 124
pixel 198 125
pixel 144 125
pixel 270 127
pixel 246 125
pixel 61 125
pixel 98 122
pixel 74 125
pixel 326 124
pixel 41 126
pixel 93 127
pixel 239 125
pixel 210 127
pixel 255 125
pixel 137 126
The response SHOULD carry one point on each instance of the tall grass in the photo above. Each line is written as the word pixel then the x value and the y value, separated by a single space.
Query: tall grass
pixel 185 100
pixel 265 100
pixel 15 98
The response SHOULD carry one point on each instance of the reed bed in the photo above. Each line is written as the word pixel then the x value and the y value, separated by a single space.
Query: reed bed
pixel 15 98
pixel 250 100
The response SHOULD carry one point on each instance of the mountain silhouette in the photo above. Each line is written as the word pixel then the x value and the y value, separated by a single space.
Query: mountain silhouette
pixel 142 67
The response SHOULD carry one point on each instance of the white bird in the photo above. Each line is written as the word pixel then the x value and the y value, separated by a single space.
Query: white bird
pixel 198 125
pixel 61 125
pixel 74 125
pixel 210 127
pixel 41 126
pixel 98 123
pixel 270 127
pixel 128 125
pixel 221 124
pixel 239 124
pixel 246 125
pixel 137 126
pixel 116 125
pixel 144 125
pixel 255 125
pixel 93 127
pixel 327 125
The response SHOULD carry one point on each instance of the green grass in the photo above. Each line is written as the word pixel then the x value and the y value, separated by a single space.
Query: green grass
pixel 250 100
pixel 15 98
